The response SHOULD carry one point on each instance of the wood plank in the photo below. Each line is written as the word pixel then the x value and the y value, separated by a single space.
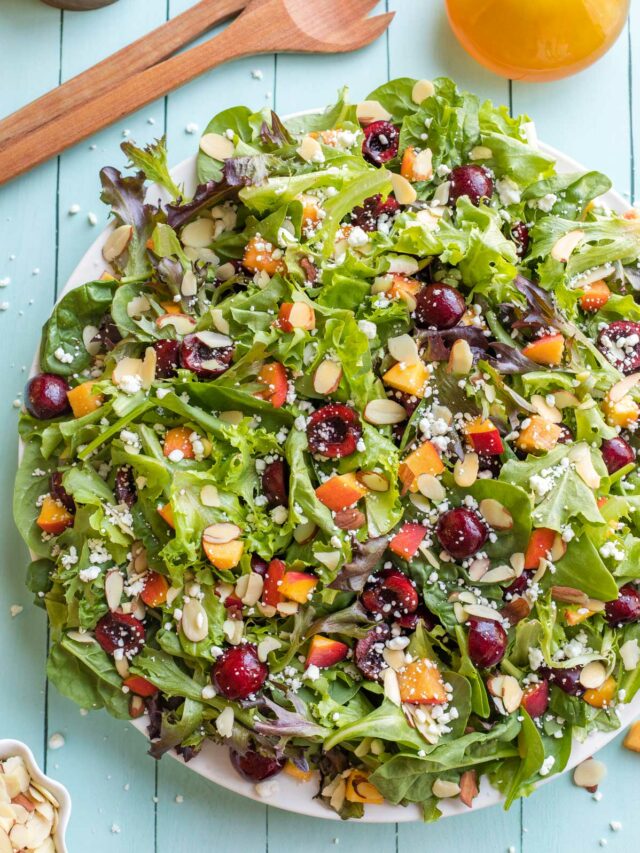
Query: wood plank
pixel 27 243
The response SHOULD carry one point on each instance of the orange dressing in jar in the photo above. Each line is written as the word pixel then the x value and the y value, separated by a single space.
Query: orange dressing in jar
pixel 537 39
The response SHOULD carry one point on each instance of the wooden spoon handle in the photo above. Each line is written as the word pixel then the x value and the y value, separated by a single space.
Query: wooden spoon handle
pixel 22 154
pixel 114 70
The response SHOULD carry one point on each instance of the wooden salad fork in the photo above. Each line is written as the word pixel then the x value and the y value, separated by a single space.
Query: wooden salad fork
pixel 265 26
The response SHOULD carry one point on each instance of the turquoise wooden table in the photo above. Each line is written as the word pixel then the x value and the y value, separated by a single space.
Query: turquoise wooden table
pixel 122 799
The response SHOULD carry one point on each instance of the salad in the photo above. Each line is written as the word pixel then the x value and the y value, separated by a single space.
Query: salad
pixel 336 464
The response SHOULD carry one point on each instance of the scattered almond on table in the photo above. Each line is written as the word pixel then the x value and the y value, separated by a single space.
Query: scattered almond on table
pixel 28 811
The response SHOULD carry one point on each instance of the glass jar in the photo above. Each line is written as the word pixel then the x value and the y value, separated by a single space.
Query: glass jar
pixel 537 39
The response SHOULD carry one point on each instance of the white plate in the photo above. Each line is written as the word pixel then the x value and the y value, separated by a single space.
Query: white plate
pixel 213 762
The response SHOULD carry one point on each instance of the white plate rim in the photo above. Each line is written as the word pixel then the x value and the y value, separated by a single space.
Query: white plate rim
pixel 289 795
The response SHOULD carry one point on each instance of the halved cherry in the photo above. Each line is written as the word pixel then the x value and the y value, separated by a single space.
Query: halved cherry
pixel 120 631
pixel 254 766
pixel 167 358
pixel 205 361
pixel 619 342
pixel 334 431
pixel 275 482
pixel 368 651
pixel 238 672
pixel 375 213
pixel 391 594
pixel 59 493
pixel 380 143
pixel 535 700
pixel 125 486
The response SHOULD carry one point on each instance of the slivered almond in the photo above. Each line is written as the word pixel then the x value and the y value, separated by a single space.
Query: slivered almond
pixel 304 532
pixel 182 323
pixel 495 514
pixel 221 533
pixel 219 321
pixel 482 612
pixel 369 111
pixel 249 591
pixel 198 234
pixel 465 471
pixel 478 568
pixel 512 694
pixel 327 376
pixel 117 242
pixel 589 774
pixel 217 146
pixel 209 496
pixel 373 480
pixel 404 192
pixel 443 789
pixel 194 622
pixel 581 458
pixel 569 595
pixel 137 306
pixel 391 686
pixel 214 340
pixel 224 722
pixel 498 575
pixel 460 358
pixel 549 413
pixel 593 675
pixel 384 412
pixel 404 348
pixel 431 487
pixel 566 245
pixel 422 89
pixel 620 390
pixel 310 150
pixel 113 589
pixel 189 285
pixel 266 646
pixel 122 666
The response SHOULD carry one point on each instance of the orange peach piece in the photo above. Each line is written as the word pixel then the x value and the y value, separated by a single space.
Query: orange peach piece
pixel 225 555
pixel 296 586
pixel 424 460
pixel 296 315
pixel 259 256
pixel 156 586
pixel 274 376
pixel 601 697
pixel 546 350
pixel 324 652
pixel 576 615
pixel 421 683
pixel 360 790
pixel 82 399
pixel 632 739
pixel 410 378
pixel 53 518
pixel 341 491
pixel 595 296
pixel 540 544
pixel 539 435
pixel 297 773
pixel 622 412
pixel 166 513
pixel 404 288
pixel 178 439
pixel 416 166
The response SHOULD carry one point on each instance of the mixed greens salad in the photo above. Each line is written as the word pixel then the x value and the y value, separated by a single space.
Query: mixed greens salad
pixel 336 465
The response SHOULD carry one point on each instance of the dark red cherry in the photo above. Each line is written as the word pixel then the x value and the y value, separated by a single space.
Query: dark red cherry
pixel 491 463
pixel 619 342
pixel 334 431
pixel 59 493
pixel 390 595
pixel 520 584
pixel 238 672
pixel 45 396
pixel 520 235
pixel 472 181
pixel 258 565
pixel 368 651
pixel 275 483
pixel 535 700
pixel 375 213
pixel 205 361
pixel 254 766
pixel 616 453
pixel 120 631
pixel 125 486
pixel 626 608
pixel 410 620
pixel 568 680
pixel 487 642
pixel 380 143
pixel 566 436
pixel 167 358
pixel 409 401
pixel 439 306
pixel 461 532
pixel 108 334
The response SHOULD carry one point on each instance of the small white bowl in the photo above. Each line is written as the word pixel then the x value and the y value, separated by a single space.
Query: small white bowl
pixel 16 747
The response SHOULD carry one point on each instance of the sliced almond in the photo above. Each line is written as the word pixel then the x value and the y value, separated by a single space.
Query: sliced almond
pixel 327 376
pixel 419 501
pixel 113 589
pixel 233 417
pixel 395 658
pixel 225 272
pixel 404 192
pixel 122 665
pixel 214 340
pixel 287 608
pixel 84 637
pixel 593 675
pixel 440 197
pixel 5 842
pixel 384 412
pixel 499 575
pixel 595 606
pixel 549 413
pixel 479 568
pixel 404 349
pixel 482 611
pixel 198 234
pixel 620 390
pixel 443 789
pixel 217 146
pixel 266 610
pixel 465 471
pixel 219 321
pixel 148 368
pixel 459 612
pixel 209 496
pixel 517 561
pixel 194 622
pixel 233 629
pixel 512 694
pixel 182 323
pixel 558 549
pixel 249 591
pixel 580 455
pixel 403 265
pixel 137 306
pixel 460 358
pixel 117 242
pixel 630 654
pixel 310 150
pixel 569 595
pixel 566 400
pixel 566 245
pixel 304 532
pixel 125 369
pixel 88 339
pixel 369 111
pixel 422 89
pixel 495 514
pixel 589 774
pixel 189 284
pixel 391 686
pixel 224 722
pixel 373 480
pixel 480 152
pixel 495 685
pixel 221 533
pixel 330 559
pixel 431 487
pixel 381 284
pixel 266 646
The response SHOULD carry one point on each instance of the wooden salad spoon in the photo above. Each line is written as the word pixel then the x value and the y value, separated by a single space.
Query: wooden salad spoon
pixel 265 26
pixel 146 51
